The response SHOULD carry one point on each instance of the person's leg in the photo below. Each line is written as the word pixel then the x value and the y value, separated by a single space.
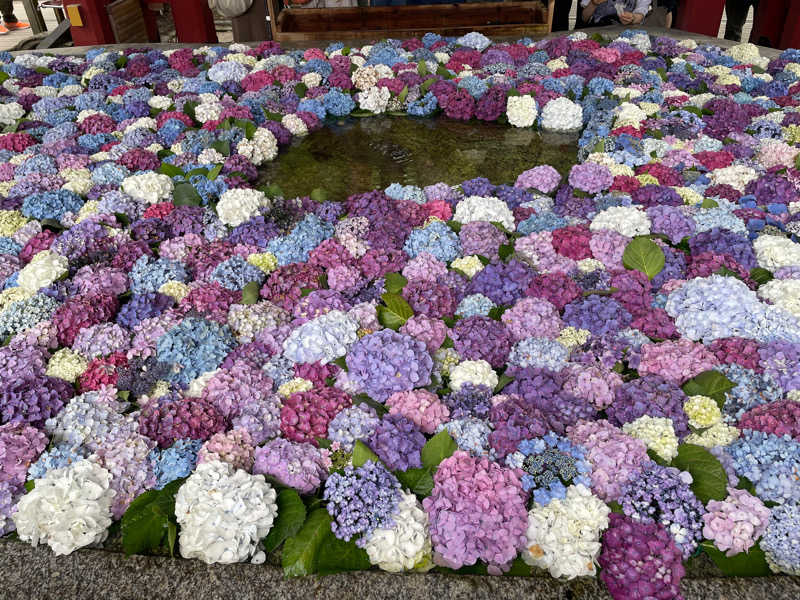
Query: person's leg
pixel 561 15
pixel 7 10
pixel 736 13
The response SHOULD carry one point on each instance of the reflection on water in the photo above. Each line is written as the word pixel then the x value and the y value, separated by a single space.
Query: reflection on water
pixel 359 155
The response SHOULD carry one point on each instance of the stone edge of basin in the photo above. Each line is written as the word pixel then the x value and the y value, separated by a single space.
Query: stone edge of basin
pixel 29 572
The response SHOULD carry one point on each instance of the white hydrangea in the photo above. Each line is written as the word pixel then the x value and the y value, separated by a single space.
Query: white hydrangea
pixel 10 113
pixel 210 156
pixel 784 293
pixel 149 187
pixel 630 221
pixel 295 125
pixel 657 433
pixel 311 79
pixel 469 265
pixel 208 111
pixel 564 536
pixel 262 148
pixel 406 545
pixel 322 339
pixel 774 252
pixel 68 509
pixel 748 53
pixel 374 99
pixel 365 78
pixel 160 102
pixel 489 209
pixel 239 205
pixel 736 176
pixel 521 110
pixel 223 513
pixel 142 123
pixel 45 268
pixel 198 385
pixel 719 434
pixel 562 114
pixel 476 372
pixel 629 114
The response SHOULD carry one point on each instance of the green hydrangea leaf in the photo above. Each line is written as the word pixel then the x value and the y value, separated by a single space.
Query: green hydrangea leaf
pixel 394 283
pixel 184 194
pixel 418 481
pixel 438 448
pixel 709 479
pixel 300 551
pixel 643 254
pixel 337 556
pixel 362 453
pixel 250 293
pixel 290 519
pixel 752 563
pixel 709 383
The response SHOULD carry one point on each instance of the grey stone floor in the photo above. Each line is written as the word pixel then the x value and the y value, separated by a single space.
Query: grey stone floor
pixel 35 573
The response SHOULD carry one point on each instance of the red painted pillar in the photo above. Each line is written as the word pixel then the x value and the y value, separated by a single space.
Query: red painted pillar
pixel 791 30
pixel 769 22
pixel 194 21
pixel 93 28
pixel 700 16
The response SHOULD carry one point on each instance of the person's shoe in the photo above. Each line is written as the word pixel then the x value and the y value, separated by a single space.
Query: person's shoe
pixel 3 30
pixel 18 25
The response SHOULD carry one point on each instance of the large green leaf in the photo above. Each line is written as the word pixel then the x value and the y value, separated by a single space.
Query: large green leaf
pixel 752 563
pixel 250 293
pixel 395 312
pixel 170 170
pixel 362 453
pixel 438 448
pixel 643 254
pixel 709 478
pixel 418 481
pixel 290 519
pixel 761 276
pixel 394 283
pixel 337 556
pixel 300 551
pixel 502 382
pixel 709 383
pixel 146 522
pixel 184 194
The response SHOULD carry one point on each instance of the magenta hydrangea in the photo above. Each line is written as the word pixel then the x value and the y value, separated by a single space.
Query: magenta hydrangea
pixel 514 419
pixel 779 418
pixel 592 383
pixel 431 332
pixel 305 415
pixel 477 511
pixel 633 552
pixel 172 417
pixel 676 361
pixel 299 465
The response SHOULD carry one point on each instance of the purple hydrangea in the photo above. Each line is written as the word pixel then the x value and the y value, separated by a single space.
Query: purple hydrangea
pixel 298 465
pixel 398 442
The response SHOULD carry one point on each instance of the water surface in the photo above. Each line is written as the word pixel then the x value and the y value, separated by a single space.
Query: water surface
pixel 359 155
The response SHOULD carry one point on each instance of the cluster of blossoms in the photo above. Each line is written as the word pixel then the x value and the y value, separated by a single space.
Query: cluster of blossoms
pixel 455 373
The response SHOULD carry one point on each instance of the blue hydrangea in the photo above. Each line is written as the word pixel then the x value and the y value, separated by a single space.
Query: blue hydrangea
pixel 752 389
pixel 352 424
pixel 780 540
pixel 539 352
pixel 437 239
pixel 337 103
pixel 546 221
pixel 471 434
pixel 474 304
pixel 236 272
pixel 175 462
pixel 194 346
pixel 24 314
pixel 474 85
pixel 280 369
pixel 9 246
pixel 424 106
pixel 148 274
pixel 551 464
pixel 307 235
pixel 51 205
pixel 109 173
pixel 600 85
pixel 61 455
pixel 770 462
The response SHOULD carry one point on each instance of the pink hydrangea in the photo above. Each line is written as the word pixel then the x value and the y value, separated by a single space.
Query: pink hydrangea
pixel 477 511
pixel 614 455
pixel 234 447
pixel 344 278
pixel 20 445
pixel 543 178
pixel 429 331
pixel 676 361
pixel 230 389
pixel 421 407
pixel 532 317
pixel 734 524
pixel 608 246
pixel 301 466
pixel 592 383
pixel 171 418
pixel 537 249
pixel 424 267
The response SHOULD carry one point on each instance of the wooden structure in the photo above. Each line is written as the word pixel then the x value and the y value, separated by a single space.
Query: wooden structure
pixel 127 22
pixel 374 22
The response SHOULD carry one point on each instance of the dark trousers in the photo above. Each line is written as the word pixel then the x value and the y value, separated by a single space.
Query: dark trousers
pixel 561 15
pixel 7 10
pixel 736 11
